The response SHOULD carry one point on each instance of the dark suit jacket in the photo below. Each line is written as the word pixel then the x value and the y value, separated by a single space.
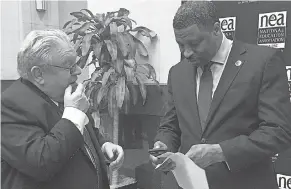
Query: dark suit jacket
pixel 250 117
pixel 40 149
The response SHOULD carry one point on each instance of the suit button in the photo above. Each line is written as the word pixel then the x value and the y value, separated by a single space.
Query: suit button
pixel 203 140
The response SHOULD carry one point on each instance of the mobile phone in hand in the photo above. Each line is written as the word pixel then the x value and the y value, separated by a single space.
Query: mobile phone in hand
pixel 157 151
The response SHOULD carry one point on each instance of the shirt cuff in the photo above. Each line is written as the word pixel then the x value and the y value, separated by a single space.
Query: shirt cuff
pixel 76 116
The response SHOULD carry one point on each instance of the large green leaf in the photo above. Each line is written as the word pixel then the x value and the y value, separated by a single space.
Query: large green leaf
pixel 119 66
pixel 120 91
pixel 86 43
pixel 130 63
pixel 123 12
pixel 97 49
pixel 142 87
pixel 80 16
pixel 88 11
pixel 113 29
pixel 97 118
pixel 129 73
pixel 149 70
pixel 96 74
pixel 129 41
pixel 126 101
pixel 112 48
pixel 83 60
pixel 112 104
pixel 145 31
pixel 106 76
pixel 102 92
pixel 123 44
pixel 77 44
pixel 83 28
pixel 134 92
pixel 141 49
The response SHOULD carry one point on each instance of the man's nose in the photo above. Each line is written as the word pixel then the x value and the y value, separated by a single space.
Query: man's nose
pixel 188 53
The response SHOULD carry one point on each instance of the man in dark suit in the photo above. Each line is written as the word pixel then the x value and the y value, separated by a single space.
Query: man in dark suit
pixel 228 108
pixel 47 140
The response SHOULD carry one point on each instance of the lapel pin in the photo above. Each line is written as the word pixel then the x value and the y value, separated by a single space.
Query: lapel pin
pixel 238 63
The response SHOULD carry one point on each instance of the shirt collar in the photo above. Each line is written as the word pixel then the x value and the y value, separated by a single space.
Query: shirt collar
pixel 223 51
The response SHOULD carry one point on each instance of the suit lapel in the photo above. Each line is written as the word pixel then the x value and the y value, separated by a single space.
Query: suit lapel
pixel 190 83
pixel 231 70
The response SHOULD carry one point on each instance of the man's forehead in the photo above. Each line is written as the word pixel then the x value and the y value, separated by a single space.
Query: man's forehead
pixel 191 32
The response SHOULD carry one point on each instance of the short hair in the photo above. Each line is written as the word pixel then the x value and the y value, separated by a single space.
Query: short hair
pixel 195 12
pixel 38 49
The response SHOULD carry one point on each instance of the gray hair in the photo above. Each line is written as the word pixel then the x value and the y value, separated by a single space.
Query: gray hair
pixel 39 47
pixel 195 12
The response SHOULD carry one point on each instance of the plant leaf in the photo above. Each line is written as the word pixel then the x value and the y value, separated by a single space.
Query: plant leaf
pixel 123 44
pixel 120 91
pixel 83 28
pixel 126 101
pixel 149 69
pixel 96 74
pixel 112 105
pixel 145 31
pixel 130 63
pixel 142 87
pixel 66 24
pixel 141 49
pixel 88 11
pixel 123 12
pixel 133 92
pixel 82 61
pixel 86 43
pixel 97 119
pixel 97 49
pixel 113 28
pixel 129 73
pixel 77 44
pixel 119 66
pixel 106 76
pixel 80 16
pixel 101 93
pixel 131 45
pixel 112 48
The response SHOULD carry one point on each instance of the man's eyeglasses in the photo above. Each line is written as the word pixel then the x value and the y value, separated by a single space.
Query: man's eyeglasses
pixel 72 69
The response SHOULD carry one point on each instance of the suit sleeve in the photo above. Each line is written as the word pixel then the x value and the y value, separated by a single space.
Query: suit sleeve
pixel 273 134
pixel 169 131
pixel 27 148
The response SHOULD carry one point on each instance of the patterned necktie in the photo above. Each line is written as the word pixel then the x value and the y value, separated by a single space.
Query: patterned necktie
pixel 205 94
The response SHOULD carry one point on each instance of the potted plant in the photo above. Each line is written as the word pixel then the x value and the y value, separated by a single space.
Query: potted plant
pixel 111 43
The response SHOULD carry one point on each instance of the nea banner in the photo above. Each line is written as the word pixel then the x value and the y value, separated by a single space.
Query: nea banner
pixel 227 26
pixel 272 29
pixel 288 68
pixel 284 182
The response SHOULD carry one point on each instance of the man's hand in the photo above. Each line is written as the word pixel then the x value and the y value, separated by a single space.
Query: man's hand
pixel 166 166
pixel 205 154
pixel 114 153
pixel 76 99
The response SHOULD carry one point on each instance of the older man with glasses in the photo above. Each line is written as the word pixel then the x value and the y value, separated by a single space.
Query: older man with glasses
pixel 48 140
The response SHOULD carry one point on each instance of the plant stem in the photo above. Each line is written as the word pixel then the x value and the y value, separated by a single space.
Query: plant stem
pixel 114 176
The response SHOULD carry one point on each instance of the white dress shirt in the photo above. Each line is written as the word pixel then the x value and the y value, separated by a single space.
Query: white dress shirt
pixel 216 69
pixel 76 116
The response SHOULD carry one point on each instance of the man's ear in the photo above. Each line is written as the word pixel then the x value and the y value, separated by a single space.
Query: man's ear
pixel 216 29
pixel 37 75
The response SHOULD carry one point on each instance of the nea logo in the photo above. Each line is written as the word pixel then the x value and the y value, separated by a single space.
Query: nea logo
pixel 227 24
pixel 273 19
pixel 288 68
pixel 284 182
